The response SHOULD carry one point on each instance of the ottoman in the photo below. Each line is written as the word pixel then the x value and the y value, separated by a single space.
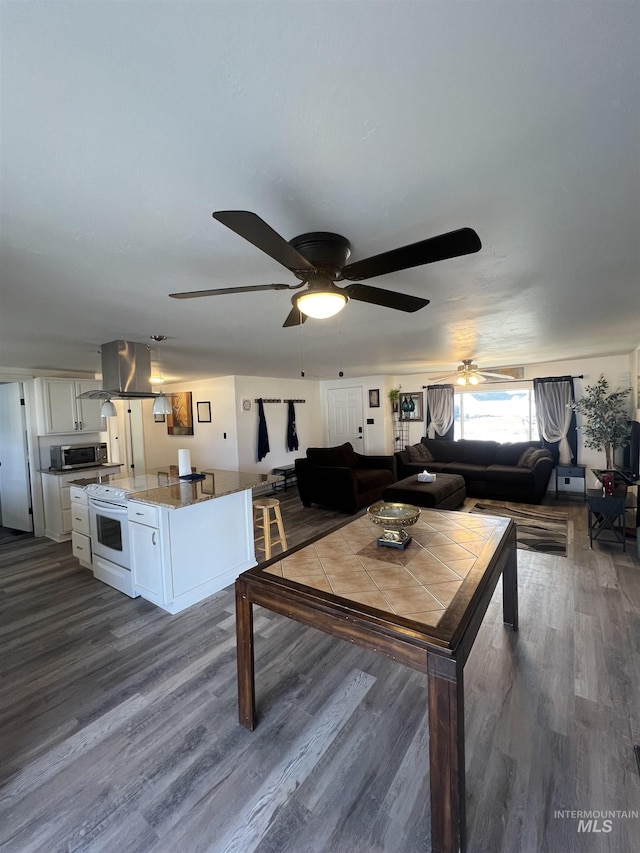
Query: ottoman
pixel 448 491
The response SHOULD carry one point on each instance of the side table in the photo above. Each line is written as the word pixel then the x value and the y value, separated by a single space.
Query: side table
pixel 572 471
pixel 286 471
pixel 606 514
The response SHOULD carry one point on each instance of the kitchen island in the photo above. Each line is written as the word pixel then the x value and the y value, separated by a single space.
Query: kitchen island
pixel 190 539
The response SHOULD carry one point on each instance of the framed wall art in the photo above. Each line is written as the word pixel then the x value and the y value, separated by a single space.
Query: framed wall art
pixel 204 413
pixel 410 407
pixel 180 421
pixel 374 398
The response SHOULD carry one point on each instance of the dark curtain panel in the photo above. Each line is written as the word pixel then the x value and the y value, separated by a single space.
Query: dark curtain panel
pixel 556 422
pixel 438 418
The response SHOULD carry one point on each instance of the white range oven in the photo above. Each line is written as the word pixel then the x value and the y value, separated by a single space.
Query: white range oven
pixel 109 528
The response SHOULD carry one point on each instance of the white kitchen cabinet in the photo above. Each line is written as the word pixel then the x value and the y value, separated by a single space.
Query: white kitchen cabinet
pixel 80 533
pixel 81 548
pixel 59 412
pixel 147 561
pixel 56 493
pixel 180 556
pixel 147 556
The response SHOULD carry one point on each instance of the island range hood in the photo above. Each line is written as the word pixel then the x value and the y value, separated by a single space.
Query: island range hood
pixel 126 372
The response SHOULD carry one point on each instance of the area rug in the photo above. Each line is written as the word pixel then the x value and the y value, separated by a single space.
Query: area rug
pixel 538 528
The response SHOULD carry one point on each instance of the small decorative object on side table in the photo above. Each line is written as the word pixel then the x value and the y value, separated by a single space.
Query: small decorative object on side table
pixel 393 517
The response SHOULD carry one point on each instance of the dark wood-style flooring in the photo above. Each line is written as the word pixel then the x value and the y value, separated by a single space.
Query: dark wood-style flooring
pixel 119 732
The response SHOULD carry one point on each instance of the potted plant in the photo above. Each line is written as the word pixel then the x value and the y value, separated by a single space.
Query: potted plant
pixel 394 396
pixel 605 416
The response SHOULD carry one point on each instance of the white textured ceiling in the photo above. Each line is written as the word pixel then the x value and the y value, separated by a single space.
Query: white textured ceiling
pixel 125 124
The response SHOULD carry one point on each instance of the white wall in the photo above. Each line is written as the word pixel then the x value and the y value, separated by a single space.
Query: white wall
pixel 230 441
pixel 208 445
pixel 309 421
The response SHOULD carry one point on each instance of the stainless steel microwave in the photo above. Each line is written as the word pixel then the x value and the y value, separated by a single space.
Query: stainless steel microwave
pixel 67 456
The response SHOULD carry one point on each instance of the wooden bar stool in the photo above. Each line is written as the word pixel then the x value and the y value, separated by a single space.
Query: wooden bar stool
pixel 263 521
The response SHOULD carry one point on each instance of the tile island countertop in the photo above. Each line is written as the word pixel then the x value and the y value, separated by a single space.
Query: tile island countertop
pixel 176 493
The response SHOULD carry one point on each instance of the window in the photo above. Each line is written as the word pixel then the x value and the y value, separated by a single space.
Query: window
pixel 505 415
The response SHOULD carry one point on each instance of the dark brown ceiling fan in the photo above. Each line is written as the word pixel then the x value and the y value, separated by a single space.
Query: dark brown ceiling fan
pixel 319 260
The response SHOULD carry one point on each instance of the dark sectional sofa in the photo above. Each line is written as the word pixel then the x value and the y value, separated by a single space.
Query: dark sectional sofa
pixel 518 471
pixel 340 478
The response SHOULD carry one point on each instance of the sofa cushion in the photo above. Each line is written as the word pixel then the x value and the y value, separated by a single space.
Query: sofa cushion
pixel 525 457
pixel 465 469
pixel 440 449
pixel 343 456
pixel 475 452
pixel 368 479
pixel 510 452
pixel 509 474
pixel 418 452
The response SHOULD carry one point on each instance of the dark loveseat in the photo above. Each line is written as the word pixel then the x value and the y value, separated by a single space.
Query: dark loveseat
pixel 340 478
pixel 517 471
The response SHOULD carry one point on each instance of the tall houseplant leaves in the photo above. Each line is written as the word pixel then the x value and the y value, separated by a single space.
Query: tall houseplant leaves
pixel 605 416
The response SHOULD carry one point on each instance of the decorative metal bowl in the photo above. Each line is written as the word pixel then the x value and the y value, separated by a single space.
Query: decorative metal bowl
pixel 393 517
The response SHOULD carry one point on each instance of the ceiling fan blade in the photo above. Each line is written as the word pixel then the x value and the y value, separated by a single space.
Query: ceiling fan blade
pixel 192 294
pixel 464 241
pixel 386 298
pixel 262 236
pixel 495 375
pixel 294 317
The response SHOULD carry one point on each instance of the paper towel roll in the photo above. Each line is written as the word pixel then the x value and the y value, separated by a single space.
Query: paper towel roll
pixel 184 462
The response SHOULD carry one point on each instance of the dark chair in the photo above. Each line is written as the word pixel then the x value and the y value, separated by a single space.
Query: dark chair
pixel 341 479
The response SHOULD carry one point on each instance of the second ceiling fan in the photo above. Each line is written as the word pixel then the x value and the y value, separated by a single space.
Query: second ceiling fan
pixel 319 260
pixel 470 374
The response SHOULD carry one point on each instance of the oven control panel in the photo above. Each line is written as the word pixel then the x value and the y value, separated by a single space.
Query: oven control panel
pixel 107 493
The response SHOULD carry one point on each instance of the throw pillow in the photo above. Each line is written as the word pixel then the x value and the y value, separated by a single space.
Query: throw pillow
pixel 418 453
pixel 525 458
pixel 539 453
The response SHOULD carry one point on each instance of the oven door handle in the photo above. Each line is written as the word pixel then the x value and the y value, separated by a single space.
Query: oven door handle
pixel 117 508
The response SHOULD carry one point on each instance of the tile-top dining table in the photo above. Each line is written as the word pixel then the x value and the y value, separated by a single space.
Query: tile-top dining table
pixel 421 606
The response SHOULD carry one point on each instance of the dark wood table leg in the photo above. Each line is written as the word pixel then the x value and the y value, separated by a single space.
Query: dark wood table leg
pixel 446 754
pixel 245 657
pixel 510 586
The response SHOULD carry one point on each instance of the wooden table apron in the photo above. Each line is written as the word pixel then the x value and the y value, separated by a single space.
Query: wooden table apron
pixel 440 652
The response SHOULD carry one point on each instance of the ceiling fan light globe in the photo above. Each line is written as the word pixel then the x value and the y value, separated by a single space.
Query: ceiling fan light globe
pixel 319 304
pixel 473 380
pixel 461 380
pixel 161 405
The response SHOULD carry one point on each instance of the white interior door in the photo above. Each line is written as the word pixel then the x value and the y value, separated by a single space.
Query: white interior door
pixel 15 493
pixel 345 415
